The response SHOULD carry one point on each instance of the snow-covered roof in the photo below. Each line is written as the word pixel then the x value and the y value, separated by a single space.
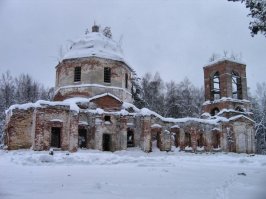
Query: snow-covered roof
pixel 222 60
pixel 95 44
pixel 72 103
pixel 241 116
pixel 103 95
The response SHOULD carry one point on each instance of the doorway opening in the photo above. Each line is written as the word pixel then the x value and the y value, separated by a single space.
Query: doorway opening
pixel 130 138
pixel 55 137
pixel 200 140
pixel 82 138
pixel 187 139
pixel 106 142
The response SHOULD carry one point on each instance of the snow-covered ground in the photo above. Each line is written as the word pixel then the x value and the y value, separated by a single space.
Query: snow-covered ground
pixel 25 174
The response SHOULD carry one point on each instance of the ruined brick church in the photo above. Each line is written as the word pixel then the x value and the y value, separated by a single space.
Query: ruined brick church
pixel 93 108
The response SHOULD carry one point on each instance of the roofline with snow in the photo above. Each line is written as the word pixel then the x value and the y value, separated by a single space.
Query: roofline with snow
pixel 218 61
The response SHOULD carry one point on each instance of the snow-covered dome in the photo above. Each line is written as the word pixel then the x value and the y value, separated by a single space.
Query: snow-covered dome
pixel 95 44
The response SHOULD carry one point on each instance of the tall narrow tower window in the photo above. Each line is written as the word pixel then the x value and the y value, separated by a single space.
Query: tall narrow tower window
pixel 77 74
pixel 236 86
pixel 215 86
pixel 126 80
pixel 107 74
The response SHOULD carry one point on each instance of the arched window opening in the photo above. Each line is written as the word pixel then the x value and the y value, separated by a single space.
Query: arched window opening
pixel 187 139
pixel 215 86
pixel 236 86
pixel 214 111
pixel 200 140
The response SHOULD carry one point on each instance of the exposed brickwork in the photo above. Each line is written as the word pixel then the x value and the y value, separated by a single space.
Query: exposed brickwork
pixel 225 69
pixel 19 129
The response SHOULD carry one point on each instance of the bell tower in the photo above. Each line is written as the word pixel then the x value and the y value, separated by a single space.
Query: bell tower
pixel 225 85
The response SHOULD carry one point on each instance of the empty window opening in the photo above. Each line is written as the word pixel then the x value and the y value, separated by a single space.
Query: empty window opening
pixel 187 139
pixel 215 86
pixel 106 142
pixel 214 111
pixel 77 74
pixel 216 140
pixel 107 118
pixel 107 74
pixel 82 140
pixel 55 137
pixel 236 86
pixel 130 138
pixel 200 140
pixel 126 80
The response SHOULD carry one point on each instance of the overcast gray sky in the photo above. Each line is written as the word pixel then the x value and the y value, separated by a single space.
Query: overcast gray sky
pixel 174 37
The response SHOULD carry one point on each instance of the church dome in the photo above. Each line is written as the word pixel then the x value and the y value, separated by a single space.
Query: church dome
pixel 95 44
pixel 93 65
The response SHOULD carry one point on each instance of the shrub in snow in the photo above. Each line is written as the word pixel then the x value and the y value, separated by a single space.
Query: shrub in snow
pixel 242 174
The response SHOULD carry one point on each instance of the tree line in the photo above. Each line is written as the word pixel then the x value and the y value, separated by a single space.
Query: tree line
pixel 169 99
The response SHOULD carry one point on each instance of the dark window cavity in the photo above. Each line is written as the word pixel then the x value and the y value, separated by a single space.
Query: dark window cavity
pixel 126 80
pixel 77 74
pixel 107 74
pixel 214 111
pixel 107 118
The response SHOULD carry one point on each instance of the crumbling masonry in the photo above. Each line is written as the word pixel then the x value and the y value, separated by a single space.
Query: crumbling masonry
pixel 92 108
